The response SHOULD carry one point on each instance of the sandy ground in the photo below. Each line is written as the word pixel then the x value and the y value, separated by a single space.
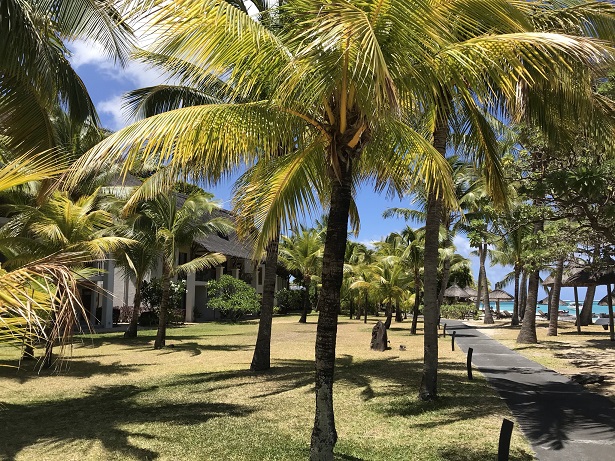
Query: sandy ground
pixel 568 353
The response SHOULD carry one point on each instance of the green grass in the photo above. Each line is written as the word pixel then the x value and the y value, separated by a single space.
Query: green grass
pixel 120 399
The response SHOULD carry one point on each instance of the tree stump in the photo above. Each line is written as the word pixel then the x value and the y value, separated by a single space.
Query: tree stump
pixel 379 337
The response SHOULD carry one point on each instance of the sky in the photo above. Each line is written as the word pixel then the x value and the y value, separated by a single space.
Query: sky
pixel 107 82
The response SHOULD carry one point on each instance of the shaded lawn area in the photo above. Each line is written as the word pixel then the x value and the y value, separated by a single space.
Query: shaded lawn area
pixel 121 400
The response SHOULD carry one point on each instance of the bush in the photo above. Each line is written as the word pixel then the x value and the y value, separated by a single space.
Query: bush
pixel 289 300
pixel 458 311
pixel 234 298
pixel 151 296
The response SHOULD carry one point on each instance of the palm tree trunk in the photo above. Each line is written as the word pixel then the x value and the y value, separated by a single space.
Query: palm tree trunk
pixel 554 301
pixel 365 307
pixel 483 275
pixel 261 360
pixel 479 290
pixel 417 301
pixel 588 304
pixel 429 380
pixel 324 435
pixel 527 334
pixel 398 315
pixel 515 317
pixel 306 302
pixel 446 266
pixel 161 334
pixel 389 313
pixel 523 294
pixel 131 332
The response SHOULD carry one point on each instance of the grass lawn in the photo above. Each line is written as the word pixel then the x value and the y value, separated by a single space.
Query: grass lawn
pixel 196 400
pixel 568 353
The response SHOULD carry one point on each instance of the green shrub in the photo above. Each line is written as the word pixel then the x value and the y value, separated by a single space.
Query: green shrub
pixel 151 296
pixel 458 311
pixel 234 298
pixel 288 300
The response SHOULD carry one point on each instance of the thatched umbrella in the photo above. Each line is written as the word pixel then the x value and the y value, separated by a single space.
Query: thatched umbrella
pixel 546 301
pixel 586 277
pixel 454 291
pixel 500 295
pixel 605 302
pixel 471 291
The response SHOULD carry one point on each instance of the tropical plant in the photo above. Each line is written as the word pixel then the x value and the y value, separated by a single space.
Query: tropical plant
pixel 234 298
pixel 177 220
pixel 35 74
pixel 301 254
pixel 342 83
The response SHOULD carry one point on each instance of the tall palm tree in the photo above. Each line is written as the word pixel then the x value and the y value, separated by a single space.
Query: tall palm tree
pixel 176 222
pixel 301 253
pixel 342 83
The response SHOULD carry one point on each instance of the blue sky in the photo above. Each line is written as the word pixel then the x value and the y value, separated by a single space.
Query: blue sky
pixel 107 82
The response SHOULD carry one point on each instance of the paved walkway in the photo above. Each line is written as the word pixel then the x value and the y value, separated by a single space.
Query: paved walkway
pixel 562 420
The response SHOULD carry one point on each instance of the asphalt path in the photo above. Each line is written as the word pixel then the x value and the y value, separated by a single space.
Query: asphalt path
pixel 562 420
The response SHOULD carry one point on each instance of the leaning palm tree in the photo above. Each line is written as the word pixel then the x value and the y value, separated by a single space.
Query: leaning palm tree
pixel 176 221
pixel 344 84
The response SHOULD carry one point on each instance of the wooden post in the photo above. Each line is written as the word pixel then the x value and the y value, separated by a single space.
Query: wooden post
pixel 609 293
pixel 469 363
pixel 576 306
pixel 444 331
pixel 453 340
pixel 505 435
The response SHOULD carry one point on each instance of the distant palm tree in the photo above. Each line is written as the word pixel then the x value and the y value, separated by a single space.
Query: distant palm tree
pixel 176 222
pixel 301 253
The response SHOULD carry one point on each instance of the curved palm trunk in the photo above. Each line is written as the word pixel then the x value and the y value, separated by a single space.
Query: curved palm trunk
pixel 324 435
pixel 164 306
pixel 261 360
pixel 515 317
pixel 588 304
pixel 131 332
pixel 554 301
pixel 389 314
pixel 483 275
pixel 523 294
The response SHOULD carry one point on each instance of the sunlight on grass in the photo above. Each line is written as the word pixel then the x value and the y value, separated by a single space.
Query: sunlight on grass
pixel 120 399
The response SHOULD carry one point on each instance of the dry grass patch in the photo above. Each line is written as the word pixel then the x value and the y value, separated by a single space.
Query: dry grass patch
pixel 196 400
pixel 568 353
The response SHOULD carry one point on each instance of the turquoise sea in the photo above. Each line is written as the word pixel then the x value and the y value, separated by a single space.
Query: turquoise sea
pixel 508 306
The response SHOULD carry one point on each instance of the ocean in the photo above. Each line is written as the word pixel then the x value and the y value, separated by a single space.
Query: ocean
pixel 596 309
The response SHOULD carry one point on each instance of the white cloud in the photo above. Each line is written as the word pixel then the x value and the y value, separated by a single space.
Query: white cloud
pixel 113 107
pixel 462 245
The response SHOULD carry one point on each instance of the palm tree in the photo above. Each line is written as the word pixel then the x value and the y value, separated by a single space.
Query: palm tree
pixel 177 221
pixel 137 261
pixel 301 254
pixel 36 76
pixel 29 293
pixel 59 226
pixel 341 84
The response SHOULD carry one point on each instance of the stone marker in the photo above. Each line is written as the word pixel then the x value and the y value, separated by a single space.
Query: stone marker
pixel 379 337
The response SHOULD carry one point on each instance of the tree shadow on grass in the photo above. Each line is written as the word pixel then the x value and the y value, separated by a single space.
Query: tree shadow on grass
pixel 74 369
pixel 101 415
pixel 473 454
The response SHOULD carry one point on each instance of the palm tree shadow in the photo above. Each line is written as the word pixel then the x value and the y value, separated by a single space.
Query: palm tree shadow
pixel 64 421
